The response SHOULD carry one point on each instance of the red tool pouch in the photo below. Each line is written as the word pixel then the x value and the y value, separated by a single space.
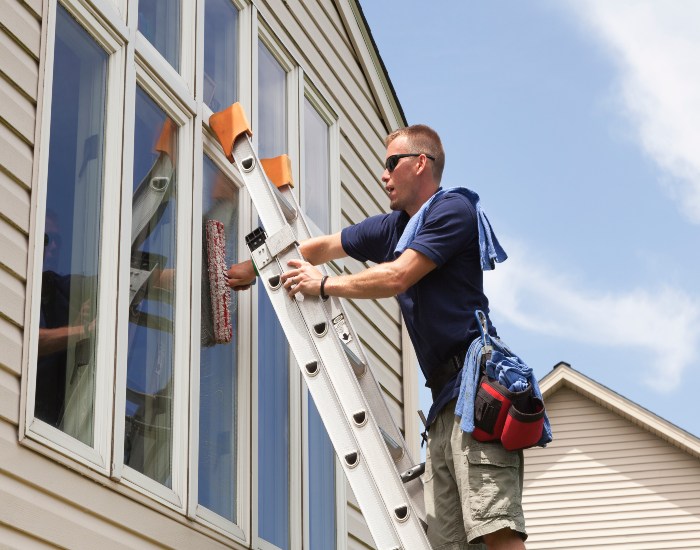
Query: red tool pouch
pixel 490 410
pixel 523 429
pixel 514 418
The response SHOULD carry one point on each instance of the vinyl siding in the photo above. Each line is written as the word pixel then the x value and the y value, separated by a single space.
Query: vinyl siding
pixel 605 482
pixel 20 34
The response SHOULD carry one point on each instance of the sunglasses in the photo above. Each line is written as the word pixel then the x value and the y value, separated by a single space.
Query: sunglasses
pixel 393 160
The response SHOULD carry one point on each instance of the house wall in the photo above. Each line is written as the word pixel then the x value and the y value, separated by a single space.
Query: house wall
pixel 605 482
pixel 46 499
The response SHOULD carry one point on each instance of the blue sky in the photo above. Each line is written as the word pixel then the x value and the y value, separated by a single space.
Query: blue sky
pixel 578 123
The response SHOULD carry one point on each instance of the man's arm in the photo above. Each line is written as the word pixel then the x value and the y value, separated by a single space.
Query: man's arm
pixel 316 250
pixel 380 281
pixel 319 250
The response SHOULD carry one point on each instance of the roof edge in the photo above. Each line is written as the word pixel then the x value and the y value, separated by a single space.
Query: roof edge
pixel 563 375
pixel 371 61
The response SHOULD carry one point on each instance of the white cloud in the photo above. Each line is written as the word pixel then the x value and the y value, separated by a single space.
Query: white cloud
pixel 656 44
pixel 663 323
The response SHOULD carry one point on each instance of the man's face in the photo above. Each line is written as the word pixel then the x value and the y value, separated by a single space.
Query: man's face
pixel 401 184
pixel 52 244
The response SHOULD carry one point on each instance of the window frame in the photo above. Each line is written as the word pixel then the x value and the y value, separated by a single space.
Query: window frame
pixel 134 61
pixel 239 528
pixel 175 497
pixel 263 33
pixel 322 106
pixel 112 41
pixel 341 529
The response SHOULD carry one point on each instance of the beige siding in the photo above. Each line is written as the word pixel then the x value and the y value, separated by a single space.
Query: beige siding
pixel 20 32
pixel 42 500
pixel 607 483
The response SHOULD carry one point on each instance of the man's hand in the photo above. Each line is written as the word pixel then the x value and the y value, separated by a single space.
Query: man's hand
pixel 304 278
pixel 240 276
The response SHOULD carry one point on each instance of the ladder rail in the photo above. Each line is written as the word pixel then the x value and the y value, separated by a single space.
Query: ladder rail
pixel 368 382
pixel 351 404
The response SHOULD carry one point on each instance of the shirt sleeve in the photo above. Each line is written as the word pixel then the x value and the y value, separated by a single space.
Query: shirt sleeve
pixel 367 240
pixel 450 228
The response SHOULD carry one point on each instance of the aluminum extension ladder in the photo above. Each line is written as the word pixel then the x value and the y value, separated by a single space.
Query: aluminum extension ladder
pixel 370 447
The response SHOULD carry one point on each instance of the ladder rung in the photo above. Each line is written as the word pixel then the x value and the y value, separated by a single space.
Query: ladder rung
pixel 413 472
pixel 395 450
pixel 357 365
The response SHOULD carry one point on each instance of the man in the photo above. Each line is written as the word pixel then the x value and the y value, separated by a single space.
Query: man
pixel 473 490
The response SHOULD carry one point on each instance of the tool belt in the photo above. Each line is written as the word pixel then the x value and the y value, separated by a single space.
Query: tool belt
pixel 447 372
pixel 515 419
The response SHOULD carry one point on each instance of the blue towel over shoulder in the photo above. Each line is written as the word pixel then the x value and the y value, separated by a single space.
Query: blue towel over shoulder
pixel 491 250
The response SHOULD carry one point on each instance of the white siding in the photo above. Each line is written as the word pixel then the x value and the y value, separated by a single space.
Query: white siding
pixel 605 482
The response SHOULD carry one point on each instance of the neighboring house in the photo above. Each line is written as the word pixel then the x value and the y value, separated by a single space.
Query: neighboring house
pixel 616 476
pixel 120 426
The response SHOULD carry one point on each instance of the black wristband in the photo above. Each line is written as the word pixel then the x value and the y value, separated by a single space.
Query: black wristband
pixel 324 296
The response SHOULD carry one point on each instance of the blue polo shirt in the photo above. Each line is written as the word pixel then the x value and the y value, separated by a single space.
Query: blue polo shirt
pixel 439 309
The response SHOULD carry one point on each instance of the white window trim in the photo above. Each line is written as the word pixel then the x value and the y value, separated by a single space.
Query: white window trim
pixel 175 497
pixel 96 457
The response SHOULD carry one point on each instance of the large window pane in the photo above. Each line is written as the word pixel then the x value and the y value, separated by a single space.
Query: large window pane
pixel 272 98
pixel 149 392
pixel 273 354
pixel 315 184
pixel 159 22
pixel 220 53
pixel 218 365
pixel 65 385
pixel 321 481
pixel 273 427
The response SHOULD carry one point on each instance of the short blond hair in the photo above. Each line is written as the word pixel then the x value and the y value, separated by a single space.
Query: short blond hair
pixel 422 139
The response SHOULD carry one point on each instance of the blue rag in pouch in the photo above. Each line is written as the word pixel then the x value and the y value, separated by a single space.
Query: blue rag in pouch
pixel 505 367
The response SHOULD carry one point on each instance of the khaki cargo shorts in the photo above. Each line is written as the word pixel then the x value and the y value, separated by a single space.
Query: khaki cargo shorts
pixel 471 488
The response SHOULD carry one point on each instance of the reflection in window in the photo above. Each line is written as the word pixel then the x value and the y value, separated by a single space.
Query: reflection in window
pixel 273 352
pixel 159 22
pixel 321 470
pixel 218 366
pixel 149 392
pixel 220 54
pixel 315 185
pixel 65 385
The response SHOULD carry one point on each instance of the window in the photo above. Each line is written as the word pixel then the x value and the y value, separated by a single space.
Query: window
pixel 274 465
pixel 66 368
pixel 220 43
pixel 159 22
pixel 148 437
pixel 320 179
pixel 321 483
pixel 218 362
pixel 317 180
pixel 132 369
